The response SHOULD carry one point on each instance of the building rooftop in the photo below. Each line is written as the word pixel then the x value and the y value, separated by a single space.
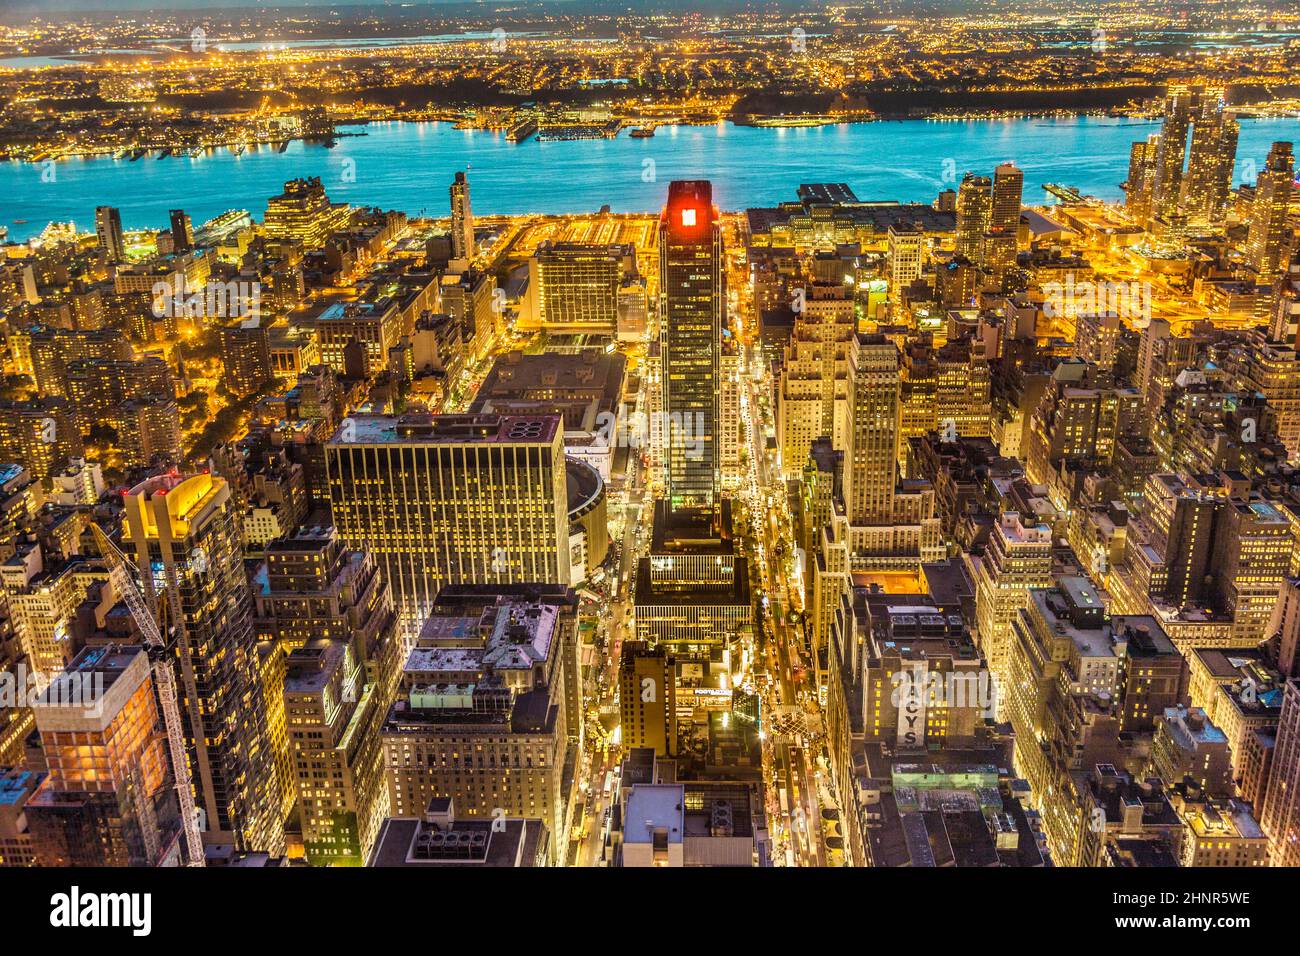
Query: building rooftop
pixel 17 785
pixel 93 673
pixel 652 809
pixel 405 841
pixel 826 193
pixel 308 669
pixel 425 429
pixel 1192 728
pixel 561 380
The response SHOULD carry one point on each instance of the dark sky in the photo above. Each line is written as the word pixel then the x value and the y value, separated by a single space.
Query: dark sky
pixel 79 5
pixel 11 10
pixel 164 5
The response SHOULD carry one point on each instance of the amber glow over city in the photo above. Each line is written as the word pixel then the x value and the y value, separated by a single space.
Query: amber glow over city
pixel 562 436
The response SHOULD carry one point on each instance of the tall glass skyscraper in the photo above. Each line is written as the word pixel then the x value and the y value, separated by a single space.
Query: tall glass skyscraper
pixel 692 292
pixel 184 534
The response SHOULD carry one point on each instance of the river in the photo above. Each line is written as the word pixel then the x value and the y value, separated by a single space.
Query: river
pixel 408 166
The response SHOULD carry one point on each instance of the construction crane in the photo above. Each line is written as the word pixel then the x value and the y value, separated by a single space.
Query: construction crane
pixel 164 680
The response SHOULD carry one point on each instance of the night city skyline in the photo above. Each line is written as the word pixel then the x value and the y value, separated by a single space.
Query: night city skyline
pixel 638 436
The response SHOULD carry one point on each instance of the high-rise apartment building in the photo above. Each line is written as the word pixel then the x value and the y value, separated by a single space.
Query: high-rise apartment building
pixel 945 390
pixel 303 212
pixel 333 718
pixel 1170 151
pixel 149 429
pixel 53 350
pixel 184 534
pixel 473 499
pixel 974 215
pixel 107 799
pixel 1210 162
pixel 1080 418
pixel 1008 188
pixel 1185 188
pixel 1018 558
pixel 42 593
pixel 462 219
pixel 1161 356
pixel 470 298
pixel 1187 744
pixel 355 337
pixel 647 681
pixel 905 252
pixel 40 434
pixel 692 285
pixel 1170 542
pixel 246 353
pixel 182 230
pixel 1096 337
pixel 108 232
pixel 97 386
pixel 998 249
pixel 1268 240
pixel 1284 625
pixel 1139 188
pixel 311 587
pixel 1252 554
pixel 98 722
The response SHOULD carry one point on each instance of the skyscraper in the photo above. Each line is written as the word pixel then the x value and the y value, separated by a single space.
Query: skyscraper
pixel 1008 188
pixel 873 443
pixel 693 295
pixel 1139 187
pixel 184 534
pixel 452 499
pixel 107 800
pixel 974 212
pixel 906 254
pixel 462 220
pixel 1280 817
pixel 813 397
pixel 108 231
pixel 998 250
pixel 1017 558
pixel 1211 159
pixel 1266 243
pixel 1284 627
pixel 303 211
pixel 182 231
pixel 1170 151
pixel 333 720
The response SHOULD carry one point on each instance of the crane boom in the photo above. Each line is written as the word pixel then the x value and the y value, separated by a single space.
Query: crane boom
pixel 165 682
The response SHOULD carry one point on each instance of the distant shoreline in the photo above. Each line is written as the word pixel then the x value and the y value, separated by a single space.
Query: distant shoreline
pixel 400 165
